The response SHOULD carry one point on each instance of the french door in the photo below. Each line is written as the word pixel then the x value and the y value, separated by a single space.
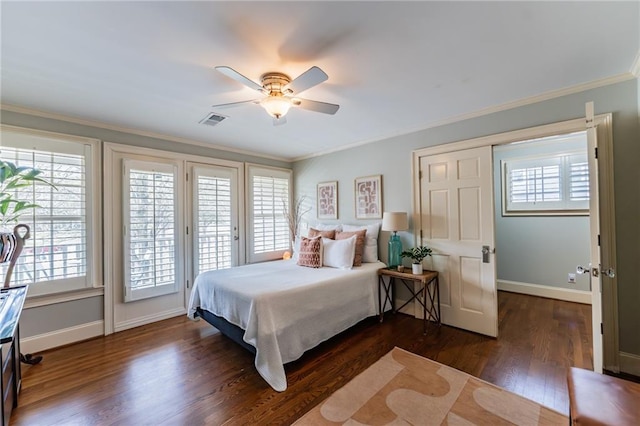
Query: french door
pixel 213 219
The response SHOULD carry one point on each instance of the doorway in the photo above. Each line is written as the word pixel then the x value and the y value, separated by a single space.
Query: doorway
pixel 604 319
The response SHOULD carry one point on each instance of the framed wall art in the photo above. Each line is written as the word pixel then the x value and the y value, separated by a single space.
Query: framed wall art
pixel 328 200
pixel 368 192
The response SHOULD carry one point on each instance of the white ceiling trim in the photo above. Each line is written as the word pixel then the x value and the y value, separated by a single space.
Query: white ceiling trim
pixel 497 108
pixel 635 68
pixel 85 122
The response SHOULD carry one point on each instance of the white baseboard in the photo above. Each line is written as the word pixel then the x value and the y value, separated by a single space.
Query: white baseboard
pixel 629 363
pixel 568 294
pixel 136 322
pixel 61 337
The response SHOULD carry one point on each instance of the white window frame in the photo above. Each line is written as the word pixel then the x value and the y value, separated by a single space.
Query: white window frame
pixel 130 294
pixel 67 289
pixel 253 170
pixel 564 206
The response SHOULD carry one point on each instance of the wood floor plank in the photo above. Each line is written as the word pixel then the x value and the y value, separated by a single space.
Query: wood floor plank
pixel 183 372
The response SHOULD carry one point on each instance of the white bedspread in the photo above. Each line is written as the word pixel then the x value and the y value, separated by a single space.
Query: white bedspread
pixel 286 309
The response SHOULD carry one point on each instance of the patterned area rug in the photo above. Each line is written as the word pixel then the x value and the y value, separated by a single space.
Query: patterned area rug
pixel 406 389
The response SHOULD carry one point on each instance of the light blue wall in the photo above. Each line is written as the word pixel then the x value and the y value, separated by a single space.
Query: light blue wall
pixel 539 250
pixel 392 158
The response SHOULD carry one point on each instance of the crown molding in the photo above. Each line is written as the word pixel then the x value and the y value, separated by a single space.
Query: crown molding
pixel 91 123
pixel 493 109
pixel 635 67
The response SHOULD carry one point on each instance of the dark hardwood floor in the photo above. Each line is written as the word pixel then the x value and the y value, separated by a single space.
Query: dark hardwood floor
pixel 182 372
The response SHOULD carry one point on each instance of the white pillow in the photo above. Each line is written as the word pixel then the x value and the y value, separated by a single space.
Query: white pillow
pixel 370 252
pixel 372 230
pixel 339 253
pixel 327 227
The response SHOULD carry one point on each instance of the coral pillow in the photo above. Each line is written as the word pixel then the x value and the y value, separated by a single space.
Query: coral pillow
pixel 331 234
pixel 357 260
pixel 310 254
pixel 370 253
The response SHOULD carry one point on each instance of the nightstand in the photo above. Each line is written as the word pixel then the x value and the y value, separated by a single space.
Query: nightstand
pixel 430 287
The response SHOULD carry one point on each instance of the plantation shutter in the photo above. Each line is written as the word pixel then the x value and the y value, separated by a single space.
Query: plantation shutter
pixel 213 231
pixel 150 216
pixel 57 257
pixel 270 194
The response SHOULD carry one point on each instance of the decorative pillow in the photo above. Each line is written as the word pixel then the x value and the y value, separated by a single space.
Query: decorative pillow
pixel 324 234
pixel 328 227
pixel 370 253
pixel 310 252
pixel 339 253
pixel 357 260
pixel 372 230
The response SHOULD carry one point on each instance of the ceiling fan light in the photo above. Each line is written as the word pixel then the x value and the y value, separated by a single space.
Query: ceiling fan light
pixel 276 106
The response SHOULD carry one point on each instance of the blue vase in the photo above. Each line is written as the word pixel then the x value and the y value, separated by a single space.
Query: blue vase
pixel 395 248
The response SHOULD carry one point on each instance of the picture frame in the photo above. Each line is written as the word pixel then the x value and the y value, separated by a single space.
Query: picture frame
pixel 327 200
pixel 368 197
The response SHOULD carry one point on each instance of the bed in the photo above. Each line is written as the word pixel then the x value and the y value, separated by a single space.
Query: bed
pixel 282 309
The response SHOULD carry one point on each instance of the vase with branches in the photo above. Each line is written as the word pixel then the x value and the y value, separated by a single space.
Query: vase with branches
pixel 294 215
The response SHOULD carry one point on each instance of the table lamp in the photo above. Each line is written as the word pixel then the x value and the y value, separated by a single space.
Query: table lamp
pixel 395 221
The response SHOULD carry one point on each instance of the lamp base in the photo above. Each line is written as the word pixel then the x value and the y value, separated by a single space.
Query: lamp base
pixel 395 248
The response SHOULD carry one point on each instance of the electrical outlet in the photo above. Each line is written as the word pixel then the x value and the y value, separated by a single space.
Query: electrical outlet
pixel 572 278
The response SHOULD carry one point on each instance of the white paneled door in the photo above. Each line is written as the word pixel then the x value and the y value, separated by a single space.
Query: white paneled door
pixel 456 219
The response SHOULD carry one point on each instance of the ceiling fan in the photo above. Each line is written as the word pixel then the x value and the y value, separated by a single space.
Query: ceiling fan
pixel 280 92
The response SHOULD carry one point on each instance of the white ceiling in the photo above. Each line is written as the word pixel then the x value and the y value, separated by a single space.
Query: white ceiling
pixel 393 67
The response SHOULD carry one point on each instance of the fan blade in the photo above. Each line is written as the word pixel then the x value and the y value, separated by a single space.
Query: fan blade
pixel 279 121
pixel 311 77
pixel 234 104
pixel 231 73
pixel 316 106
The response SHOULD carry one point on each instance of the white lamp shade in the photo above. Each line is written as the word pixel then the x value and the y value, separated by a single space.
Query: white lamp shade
pixel 395 221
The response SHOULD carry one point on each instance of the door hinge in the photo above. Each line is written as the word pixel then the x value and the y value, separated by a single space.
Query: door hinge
pixel 596 151
pixel 187 177
pixel 420 174
pixel 421 237
pixel 598 239
pixel 187 283
pixel 601 328
pixel 187 230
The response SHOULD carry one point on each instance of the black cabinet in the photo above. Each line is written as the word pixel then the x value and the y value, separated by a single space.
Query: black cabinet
pixel 11 303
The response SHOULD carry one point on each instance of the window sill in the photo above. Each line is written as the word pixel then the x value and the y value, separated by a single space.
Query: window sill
pixel 52 299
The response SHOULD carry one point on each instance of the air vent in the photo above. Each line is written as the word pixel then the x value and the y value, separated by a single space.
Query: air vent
pixel 213 119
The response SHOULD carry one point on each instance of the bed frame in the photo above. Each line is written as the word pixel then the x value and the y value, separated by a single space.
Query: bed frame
pixel 232 331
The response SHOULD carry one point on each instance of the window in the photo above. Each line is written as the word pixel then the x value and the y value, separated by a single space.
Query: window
pixel 549 184
pixel 269 200
pixel 61 253
pixel 151 231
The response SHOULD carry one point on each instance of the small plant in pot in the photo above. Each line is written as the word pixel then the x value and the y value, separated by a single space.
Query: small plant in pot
pixel 417 254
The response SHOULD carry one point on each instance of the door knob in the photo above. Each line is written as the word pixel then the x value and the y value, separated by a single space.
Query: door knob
pixel 582 270
pixel 609 272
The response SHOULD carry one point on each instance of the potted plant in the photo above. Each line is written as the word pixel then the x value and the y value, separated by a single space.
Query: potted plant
pixel 12 178
pixel 417 254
